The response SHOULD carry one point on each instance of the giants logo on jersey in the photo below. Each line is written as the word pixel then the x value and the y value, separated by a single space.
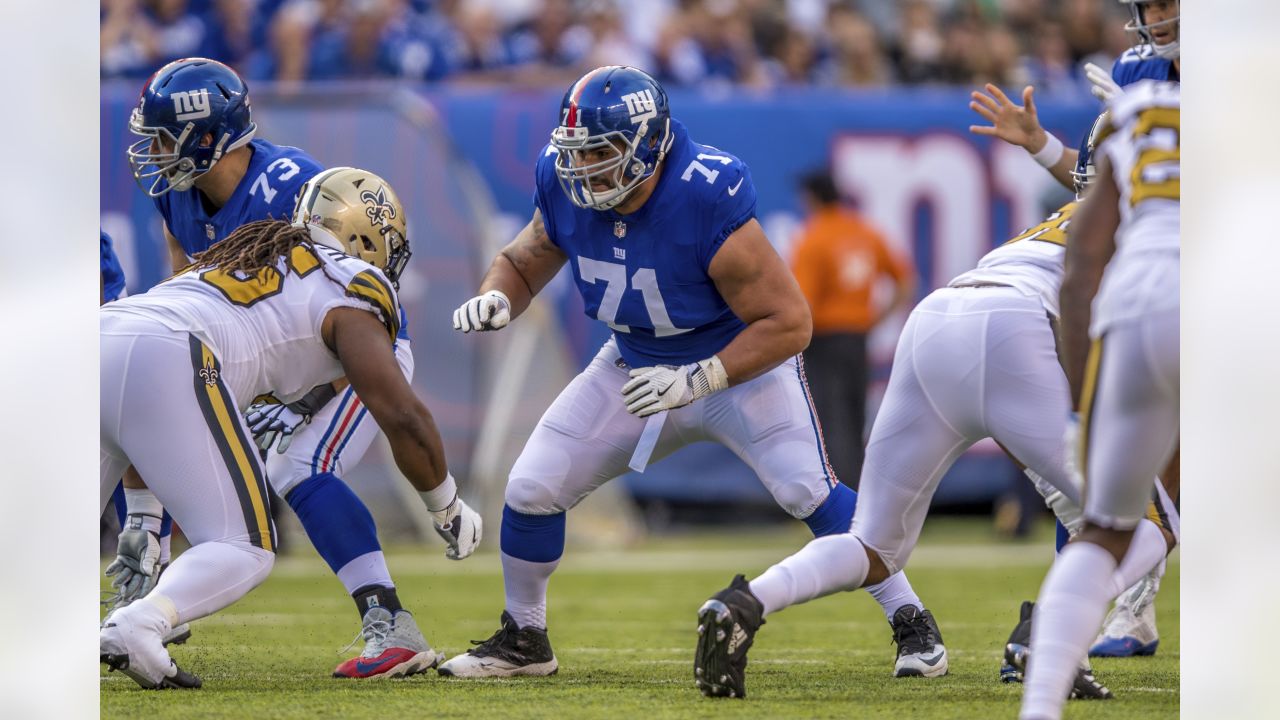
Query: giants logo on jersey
pixel 191 105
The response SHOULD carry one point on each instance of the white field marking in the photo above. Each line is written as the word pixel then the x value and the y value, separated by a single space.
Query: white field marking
pixel 586 561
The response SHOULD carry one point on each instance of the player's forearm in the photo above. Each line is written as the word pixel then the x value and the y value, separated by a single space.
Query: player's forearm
pixel 504 276
pixel 766 343
pixel 417 447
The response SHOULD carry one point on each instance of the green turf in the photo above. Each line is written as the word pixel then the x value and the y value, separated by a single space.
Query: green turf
pixel 623 630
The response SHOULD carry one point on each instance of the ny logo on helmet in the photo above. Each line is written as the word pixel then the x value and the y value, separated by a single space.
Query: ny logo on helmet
pixel 191 105
pixel 642 108
pixel 379 211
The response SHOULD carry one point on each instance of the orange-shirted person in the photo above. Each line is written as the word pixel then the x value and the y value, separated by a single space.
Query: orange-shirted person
pixel 838 260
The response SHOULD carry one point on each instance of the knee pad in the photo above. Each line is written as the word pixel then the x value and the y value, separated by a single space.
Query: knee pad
pixel 531 497
pixel 803 497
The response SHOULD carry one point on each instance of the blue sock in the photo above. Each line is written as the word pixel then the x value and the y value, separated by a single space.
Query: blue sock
pixel 122 512
pixel 1063 537
pixel 835 514
pixel 534 538
pixel 338 523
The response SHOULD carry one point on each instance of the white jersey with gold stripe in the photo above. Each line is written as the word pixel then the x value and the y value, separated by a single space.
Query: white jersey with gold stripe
pixel 265 329
pixel 1030 262
pixel 1142 143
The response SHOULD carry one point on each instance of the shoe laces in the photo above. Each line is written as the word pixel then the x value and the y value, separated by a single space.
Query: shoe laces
pixel 375 634
pixel 914 635
pixel 504 636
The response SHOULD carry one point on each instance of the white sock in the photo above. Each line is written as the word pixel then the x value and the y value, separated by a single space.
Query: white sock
pixel 1069 612
pixel 1146 551
pixel 827 564
pixel 894 593
pixel 526 588
pixel 365 570
pixel 211 576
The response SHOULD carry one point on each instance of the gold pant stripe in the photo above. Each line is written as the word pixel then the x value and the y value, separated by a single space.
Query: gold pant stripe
pixel 246 476
pixel 1088 395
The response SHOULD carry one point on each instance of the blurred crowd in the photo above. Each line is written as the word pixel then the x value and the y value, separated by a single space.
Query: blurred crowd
pixel 744 43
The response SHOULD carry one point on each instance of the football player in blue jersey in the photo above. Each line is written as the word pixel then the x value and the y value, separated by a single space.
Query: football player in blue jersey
pixel 661 237
pixel 1130 629
pixel 199 159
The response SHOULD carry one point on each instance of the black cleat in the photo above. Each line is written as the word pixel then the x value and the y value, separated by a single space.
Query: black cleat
pixel 1015 649
pixel 920 649
pixel 1017 653
pixel 727 625
pixel 510 651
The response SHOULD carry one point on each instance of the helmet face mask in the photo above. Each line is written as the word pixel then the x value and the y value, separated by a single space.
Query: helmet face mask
pixel 1086 170
pixel 362 213
pixel 190 113
pixel 615 130
pixel 1140 25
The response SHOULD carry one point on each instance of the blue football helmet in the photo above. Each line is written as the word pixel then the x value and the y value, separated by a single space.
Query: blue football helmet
pixel 1138 24
pixel 1086 168
pixel 180 105
pixel 615 128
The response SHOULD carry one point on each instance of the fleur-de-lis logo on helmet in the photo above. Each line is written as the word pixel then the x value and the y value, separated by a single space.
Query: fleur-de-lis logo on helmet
pixel 380 211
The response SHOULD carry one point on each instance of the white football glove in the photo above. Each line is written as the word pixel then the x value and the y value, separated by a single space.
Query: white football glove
pixel 136 568
pixel 271 421
pixel 490 311
pixel 663 387
pixel 461 529
pixel 1101 85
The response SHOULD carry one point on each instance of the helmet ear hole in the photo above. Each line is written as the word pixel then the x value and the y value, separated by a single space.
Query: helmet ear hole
pixel 368 244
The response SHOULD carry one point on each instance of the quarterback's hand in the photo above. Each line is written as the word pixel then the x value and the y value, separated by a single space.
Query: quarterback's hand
pixel 461 529
pixel 137 565
pixel 1101 85
pixel 271 421
pixel 490 311
pixel 663 387
pixel 1015 124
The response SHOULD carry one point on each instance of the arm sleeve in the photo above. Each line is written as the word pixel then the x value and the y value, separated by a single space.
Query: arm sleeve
pixel 545 182
pixel 733 204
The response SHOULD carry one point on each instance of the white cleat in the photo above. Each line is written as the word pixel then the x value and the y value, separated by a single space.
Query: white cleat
pixel 1130 627
pixel 130 641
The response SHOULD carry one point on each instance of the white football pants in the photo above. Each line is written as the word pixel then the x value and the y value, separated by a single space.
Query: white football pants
pixel 165 409
pixel 971 363
pixel 1129 416
pixel 587 437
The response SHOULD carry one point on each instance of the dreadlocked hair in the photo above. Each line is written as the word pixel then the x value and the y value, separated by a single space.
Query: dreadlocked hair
pixel 253 247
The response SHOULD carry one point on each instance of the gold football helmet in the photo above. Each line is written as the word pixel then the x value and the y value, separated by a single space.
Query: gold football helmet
pixel 362 211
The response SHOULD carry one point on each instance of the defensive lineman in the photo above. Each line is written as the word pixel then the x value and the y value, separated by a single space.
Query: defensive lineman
pixel 275 308
pixel 200 159
pixel 976 359
pixel 661 237
pixel 1120 350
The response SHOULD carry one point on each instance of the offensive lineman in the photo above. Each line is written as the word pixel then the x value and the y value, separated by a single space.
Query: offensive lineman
pixel 661 237
pixel 208 174
pixel 274 308
pixel 1131 626
pixel 1120 350
pixel 976 359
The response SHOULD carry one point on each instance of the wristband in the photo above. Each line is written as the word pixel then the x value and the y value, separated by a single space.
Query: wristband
pixel 1051 153
pixel 440 497
pixel 141 501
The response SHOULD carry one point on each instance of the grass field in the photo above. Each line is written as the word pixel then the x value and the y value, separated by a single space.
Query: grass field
pixel 622 624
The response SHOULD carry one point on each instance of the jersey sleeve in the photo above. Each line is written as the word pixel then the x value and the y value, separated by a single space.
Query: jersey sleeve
pixel 112 273
pixel 733 204
pixel 363 287
pixel 290 184
pixel 546 183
